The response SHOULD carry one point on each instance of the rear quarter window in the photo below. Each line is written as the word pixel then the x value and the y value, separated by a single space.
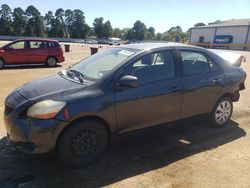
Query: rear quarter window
pixel 53 45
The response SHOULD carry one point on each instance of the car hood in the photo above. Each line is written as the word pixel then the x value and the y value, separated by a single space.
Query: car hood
pixel 48 87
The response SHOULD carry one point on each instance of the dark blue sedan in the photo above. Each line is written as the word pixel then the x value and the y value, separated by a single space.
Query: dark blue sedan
pixel 120 90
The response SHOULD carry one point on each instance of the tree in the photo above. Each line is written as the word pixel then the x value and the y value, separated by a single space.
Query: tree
pixel 128 34
pixel 176 30
pixel 107 30
pixel 166 36
pixel 158 36
pixel 117 33
pixel 49 17
pixel 199 24
pixel 175 34
pixel 5 20
pixel 19 21
pixel 35 25
pixel 98 27
pixel 151 30
pixel 150 33
pixel 78 28
pixel 68 20
pixel 139 30
pixel 60 16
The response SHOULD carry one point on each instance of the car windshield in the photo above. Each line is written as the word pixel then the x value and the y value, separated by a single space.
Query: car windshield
pixel 100 64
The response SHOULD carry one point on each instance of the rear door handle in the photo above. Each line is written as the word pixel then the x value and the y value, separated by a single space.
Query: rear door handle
pixel 216 81
pixel 174 89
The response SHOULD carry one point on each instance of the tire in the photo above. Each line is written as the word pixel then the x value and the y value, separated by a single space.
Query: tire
pixel 82 143
pixel 2 64
pixel 51 62
pixel 222 112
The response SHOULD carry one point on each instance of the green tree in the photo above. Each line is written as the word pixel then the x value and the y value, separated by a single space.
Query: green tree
pixel 19 21
pixel 60 16
pixel 107 30
pixel 117 33
pixel 166 36
pixel 130 35
pixel 48 18
pixel 199 24
pixel 139 30
pixel 35 25
pixel 55 24
pixel 98 27
pixel 158 36
pixel 78 28
pixel 175 34
pixel 5 20
pixel 150 33
pixel 68 21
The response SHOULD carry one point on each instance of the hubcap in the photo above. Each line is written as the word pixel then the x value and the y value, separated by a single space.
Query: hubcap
pixel 85 142
pixel 51 62
pixel 223 112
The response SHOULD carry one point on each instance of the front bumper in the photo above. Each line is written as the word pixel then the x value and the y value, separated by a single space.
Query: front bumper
pixel 29 134
pixel 33 135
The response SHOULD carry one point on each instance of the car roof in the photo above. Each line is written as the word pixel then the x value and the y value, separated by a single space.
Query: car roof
pixel 151 45
pixel 38 39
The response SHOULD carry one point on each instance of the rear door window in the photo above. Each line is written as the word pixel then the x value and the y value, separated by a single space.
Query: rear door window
pixel 37 44
pixel 194 62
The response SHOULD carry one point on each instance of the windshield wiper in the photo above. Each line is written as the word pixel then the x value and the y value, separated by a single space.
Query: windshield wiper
pixel 75 73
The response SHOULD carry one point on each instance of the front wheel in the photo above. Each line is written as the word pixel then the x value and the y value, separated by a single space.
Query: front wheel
pixel 51 62
pixel 82 143
pixel 222 112
pixel 1 64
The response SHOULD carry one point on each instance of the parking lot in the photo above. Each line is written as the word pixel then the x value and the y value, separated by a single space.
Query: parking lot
pixel 187 155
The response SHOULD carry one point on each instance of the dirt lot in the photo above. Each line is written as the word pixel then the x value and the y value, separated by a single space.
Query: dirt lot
pixel 188 155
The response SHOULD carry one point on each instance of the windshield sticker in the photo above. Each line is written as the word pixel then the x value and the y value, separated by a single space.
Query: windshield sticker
pixel 126 52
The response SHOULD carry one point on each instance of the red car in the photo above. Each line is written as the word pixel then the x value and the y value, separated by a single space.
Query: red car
pixel 31 51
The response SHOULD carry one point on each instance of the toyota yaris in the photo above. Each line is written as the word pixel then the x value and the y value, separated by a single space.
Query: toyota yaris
pixel 78 111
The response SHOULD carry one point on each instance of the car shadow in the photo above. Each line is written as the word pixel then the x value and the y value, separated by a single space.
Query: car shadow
pixel 124 159
pixel 29 67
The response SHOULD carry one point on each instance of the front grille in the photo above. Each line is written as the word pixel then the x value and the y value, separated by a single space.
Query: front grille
pixel 7 110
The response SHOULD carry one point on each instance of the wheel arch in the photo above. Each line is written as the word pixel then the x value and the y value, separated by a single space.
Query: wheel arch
pixel 229 95
pixel 95 118
pixel 1 58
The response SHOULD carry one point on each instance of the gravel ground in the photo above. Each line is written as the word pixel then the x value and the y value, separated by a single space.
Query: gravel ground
pixel 187 155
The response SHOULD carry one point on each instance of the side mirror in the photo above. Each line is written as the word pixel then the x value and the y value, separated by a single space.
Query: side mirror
pixel 127 82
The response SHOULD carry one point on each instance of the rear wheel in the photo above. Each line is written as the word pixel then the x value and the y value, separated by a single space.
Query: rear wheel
pixel 82 143
pixel 222 112
pixel 1 63
pixel 51 62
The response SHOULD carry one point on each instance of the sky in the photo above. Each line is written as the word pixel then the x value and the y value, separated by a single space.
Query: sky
pixel 160 14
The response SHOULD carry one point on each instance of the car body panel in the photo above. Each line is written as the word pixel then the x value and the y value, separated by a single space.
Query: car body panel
pixel 149 104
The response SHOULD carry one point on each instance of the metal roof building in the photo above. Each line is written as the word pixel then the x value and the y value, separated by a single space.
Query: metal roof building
pixel 231 34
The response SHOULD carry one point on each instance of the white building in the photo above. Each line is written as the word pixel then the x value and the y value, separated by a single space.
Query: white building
pixel 232 34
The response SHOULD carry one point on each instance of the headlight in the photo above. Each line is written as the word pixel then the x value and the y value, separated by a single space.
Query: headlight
pixel 46 109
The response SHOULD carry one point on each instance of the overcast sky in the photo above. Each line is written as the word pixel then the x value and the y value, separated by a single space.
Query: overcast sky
pixel 161 14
